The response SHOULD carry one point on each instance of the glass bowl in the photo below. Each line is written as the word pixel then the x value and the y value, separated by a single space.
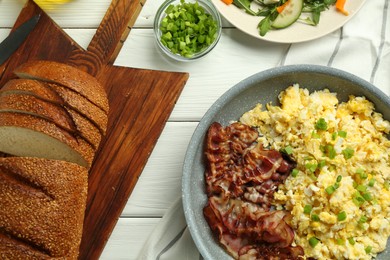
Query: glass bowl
pixel 161 14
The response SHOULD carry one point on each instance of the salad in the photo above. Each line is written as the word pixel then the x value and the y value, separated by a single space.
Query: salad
pixel 279 14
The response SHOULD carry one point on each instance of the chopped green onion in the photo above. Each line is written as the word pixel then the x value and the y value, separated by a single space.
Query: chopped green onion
pixel 321 124
pixel 342 216
pixel 288 150
pixel 348 153
pixel 294 172
pixel 363 219
pixel 358 200
pixel 361 188
pixel 351 240
pixel 315 217
pixel 312 167
pixel 334 136
pixel 315 135
pixel 308 158
pixel 321 164
pixel 330 189
pixel 329 151
pixel 339 178
pixel 367 196
pixel 342 134
pixel 307 209
pixel 362 173
pixel 187 29
pixel 313 241
pixel 368 249
pixel 312 176
pixel 336 185
pixel 340 241
pixel 371 182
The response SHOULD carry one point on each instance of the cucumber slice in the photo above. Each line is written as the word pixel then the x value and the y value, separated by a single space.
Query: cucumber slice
pixel 289 15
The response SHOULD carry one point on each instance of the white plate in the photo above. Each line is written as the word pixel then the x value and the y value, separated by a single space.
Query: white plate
pixel 330 20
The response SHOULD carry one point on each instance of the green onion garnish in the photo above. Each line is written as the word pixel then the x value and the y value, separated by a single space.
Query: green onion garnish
pixel 312 167
pixel 342 134
pixel 321 164
pixel 329 151
pixel 358 200
pixel 371 182
pixel 368 249
pixel 342 216
pixel 330 189
pixel 288 150
pixel 363 219
pixel 321 124
pixel 315 217
pixel 367 196
pixel 351 240
pixel 315 135
pixel 339 178
pixel 362 173
pixel 340 241
pixel 361 188
pixel 313 241
pixel 294 172
pixel 307 209
pixel 348 153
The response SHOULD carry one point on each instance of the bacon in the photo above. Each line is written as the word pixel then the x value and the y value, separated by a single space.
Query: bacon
pixel 241 177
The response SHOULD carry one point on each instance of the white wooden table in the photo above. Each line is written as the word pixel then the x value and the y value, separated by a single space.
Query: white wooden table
pixel 236 57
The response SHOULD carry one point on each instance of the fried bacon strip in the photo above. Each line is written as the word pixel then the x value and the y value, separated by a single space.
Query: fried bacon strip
pixel 241 177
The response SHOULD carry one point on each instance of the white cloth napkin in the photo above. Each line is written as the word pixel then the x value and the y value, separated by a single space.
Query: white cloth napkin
pixel 364 54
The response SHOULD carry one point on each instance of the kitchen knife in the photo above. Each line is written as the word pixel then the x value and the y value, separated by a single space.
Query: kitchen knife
pixel 16 38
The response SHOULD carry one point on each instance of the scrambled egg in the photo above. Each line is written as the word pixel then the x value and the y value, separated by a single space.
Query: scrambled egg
pixel 339 194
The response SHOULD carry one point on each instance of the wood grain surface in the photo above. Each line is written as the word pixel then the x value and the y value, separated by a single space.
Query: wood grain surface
pixel 140 104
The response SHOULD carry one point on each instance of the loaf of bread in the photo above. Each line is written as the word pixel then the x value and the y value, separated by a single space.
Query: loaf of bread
pixel 42 204
pixel 52 120
pixel 55 111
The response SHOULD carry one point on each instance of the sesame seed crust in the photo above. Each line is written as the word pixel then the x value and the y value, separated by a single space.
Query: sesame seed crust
pixel 41 207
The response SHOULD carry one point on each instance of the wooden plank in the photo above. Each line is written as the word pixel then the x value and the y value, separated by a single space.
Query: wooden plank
pixel 160 182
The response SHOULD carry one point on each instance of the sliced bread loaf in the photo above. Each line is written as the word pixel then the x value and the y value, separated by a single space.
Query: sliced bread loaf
pixel 42 204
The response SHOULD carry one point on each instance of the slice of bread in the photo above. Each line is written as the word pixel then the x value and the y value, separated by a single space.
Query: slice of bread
pixel 26 135
pixel 42 205
pixel 60 96
pixel 34 106
pixel 32 87
pixel 67 76
pixel 83 106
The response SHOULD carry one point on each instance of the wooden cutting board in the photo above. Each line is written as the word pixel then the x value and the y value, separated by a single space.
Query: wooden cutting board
pixel 140 100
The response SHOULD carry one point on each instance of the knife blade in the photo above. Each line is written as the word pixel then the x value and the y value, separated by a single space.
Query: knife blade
pixel 16 38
